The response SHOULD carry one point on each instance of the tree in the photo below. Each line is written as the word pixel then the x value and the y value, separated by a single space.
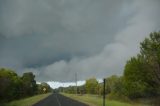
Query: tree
pixel 10 84
pixel 81 89
pixel 150 49
pixel 138 78
pixel 91 85
pixel 110 83
pixel 29 84
pixel 142 73
pixel 114 84
pixel 45 88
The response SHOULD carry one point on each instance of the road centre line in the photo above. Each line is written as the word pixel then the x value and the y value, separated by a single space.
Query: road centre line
pixel 58 100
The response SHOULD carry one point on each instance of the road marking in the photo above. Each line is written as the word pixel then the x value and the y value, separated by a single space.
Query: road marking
pixel 58 101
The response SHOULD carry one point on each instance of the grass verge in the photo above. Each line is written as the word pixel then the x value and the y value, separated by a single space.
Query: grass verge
pixel 93 100
pixel 27 101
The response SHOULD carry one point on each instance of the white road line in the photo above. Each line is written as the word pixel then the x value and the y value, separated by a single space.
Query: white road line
pixel 58 101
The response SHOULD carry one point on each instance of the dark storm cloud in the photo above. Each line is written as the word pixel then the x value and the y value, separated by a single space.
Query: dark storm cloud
pixel 90 37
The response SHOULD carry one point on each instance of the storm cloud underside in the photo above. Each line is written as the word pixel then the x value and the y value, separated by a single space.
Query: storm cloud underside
pixel 57 38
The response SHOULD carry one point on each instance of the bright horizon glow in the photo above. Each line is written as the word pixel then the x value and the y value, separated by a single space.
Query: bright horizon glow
pixel 56 84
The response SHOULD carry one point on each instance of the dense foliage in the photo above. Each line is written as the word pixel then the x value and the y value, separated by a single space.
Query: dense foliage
pixel 91 86
pixel 43 88
pixel 10 85
pixel 29 86
pixel 13 86
pixel 142 73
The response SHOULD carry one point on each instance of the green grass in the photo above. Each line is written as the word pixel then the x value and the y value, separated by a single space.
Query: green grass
pixel 27 101
pixel 93 100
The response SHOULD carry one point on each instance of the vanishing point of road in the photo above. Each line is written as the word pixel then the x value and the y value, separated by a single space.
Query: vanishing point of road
pixel 59 100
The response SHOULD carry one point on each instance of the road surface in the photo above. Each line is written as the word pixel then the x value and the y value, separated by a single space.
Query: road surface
pixel 59 100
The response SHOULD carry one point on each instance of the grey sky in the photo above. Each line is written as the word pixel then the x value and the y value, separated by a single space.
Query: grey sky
pixel 57 38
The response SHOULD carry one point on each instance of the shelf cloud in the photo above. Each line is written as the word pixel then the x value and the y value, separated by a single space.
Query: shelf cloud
pixel 57 38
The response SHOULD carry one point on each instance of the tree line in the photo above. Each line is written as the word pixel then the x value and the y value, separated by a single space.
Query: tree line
pixel 140 79
pixel 14 87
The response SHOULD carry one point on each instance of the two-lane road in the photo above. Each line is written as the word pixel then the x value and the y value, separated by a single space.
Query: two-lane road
pixel 59 100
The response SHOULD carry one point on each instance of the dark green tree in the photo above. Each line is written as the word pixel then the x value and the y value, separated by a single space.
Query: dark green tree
pixel 138 78
pixel 142 73
pixel 45 88
pixel 150 49
pixel 29 84
pixel 10 85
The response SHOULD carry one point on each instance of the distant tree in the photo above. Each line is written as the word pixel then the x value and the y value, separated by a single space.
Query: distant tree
pixel 114 84
pixel 29 84
pixel 70 89
pixel 81 89
pixel 99 89
pixel 91 86
pixel 111 82
pixel 45 87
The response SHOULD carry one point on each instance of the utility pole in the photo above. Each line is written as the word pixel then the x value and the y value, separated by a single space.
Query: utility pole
pixel 63 87
pixel 76 81
pixel 104 96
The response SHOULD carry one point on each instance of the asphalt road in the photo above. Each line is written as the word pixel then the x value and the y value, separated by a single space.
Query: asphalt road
pixel 59 100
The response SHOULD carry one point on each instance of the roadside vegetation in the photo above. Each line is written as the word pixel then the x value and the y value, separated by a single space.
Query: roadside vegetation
pixel 140 80
pixel 14 87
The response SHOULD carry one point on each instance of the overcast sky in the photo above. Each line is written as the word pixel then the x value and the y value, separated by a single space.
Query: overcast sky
pixel 57 38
